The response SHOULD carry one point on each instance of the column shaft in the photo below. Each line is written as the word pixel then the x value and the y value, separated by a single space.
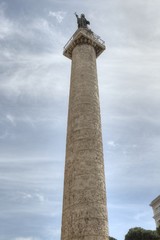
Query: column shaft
pixel 84 202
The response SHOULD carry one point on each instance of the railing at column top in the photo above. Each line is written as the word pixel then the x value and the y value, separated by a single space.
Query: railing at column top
pixel 89 34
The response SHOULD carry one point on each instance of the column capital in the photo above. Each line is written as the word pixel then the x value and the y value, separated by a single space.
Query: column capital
pixel 84 36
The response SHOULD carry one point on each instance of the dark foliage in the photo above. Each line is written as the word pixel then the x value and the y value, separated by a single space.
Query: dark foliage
pixel 138 233
pixel 158 230
pixel 111 238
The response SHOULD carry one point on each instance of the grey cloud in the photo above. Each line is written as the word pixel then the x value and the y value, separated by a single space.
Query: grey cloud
pixel 30 198
pixel 34 89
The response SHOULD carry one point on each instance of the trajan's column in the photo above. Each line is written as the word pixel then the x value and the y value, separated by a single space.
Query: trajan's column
pixel 84 201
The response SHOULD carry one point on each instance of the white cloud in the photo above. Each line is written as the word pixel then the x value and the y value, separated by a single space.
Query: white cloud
pixel 40 197
pixel 58 15
pixel 26 119
pixel 6 26
pixel 26 238
pixel 112 143
pixel 26 195
pixel 31 72
pixel 36 77
pixel 11 119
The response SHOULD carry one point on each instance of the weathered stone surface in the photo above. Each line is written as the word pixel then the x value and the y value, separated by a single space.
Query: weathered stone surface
pixel 84 36
pixel 84 202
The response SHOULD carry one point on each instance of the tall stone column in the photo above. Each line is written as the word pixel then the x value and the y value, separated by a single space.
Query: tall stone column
pixel 84 202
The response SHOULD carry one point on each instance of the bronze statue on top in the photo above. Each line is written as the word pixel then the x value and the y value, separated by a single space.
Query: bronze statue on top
pixel 82 21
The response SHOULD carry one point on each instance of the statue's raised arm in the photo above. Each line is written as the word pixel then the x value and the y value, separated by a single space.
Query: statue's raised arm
pixel 82 21
pixel 76 15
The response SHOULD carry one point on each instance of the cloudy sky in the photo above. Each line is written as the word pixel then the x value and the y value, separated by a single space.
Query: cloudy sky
pixel 34 86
